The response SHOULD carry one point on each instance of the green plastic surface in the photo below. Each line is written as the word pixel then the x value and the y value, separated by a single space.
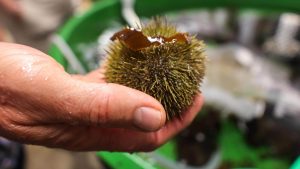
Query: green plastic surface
pixel 296 164
pixel 125 160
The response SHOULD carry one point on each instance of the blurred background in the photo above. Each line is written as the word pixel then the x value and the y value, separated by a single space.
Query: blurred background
pixel 251 116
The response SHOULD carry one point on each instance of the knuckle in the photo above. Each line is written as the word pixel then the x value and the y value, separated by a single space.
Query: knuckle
pixel 62 138
pixel 56 138
pixel 93 108
pixel 99 107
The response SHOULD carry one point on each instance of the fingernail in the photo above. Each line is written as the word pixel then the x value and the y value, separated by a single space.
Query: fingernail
pixel 147 118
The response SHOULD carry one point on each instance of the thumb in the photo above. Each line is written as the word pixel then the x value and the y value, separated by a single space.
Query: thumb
pixel 113 105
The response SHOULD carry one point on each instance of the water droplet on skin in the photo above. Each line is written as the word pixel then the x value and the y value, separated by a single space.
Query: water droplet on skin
pixel 46 78
pixel 24 53
pixel 27 68
pixel 91 91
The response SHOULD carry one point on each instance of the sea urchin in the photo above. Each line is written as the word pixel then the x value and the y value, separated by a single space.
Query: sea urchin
pixel 160 61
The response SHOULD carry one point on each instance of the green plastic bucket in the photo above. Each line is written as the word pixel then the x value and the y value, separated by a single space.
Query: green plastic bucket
pixel 86 28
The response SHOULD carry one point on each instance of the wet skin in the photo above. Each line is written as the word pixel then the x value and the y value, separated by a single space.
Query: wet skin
pixel 42 104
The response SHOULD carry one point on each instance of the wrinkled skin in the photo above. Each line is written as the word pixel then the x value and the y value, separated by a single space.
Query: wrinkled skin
pixel 42 104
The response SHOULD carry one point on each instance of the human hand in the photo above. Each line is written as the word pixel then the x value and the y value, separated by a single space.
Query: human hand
pixel 42 104
pixel 12 7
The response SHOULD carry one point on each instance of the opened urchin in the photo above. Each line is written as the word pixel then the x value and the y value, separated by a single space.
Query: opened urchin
pixel 160 61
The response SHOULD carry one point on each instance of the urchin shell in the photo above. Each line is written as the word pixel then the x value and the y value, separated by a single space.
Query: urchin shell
pixel 170 72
